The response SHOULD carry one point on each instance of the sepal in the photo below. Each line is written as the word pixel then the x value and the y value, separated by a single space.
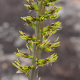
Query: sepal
pixel 25 69
pixel 46 46
pixel 48 16
pixel 32 6
pixel 46 3
pixel 28 38
pixel 22 33
pixel 51 0
pixel 54 9
pixel 30 1
pixel 51 29
pixel 42 62
pixel 29 20
pixel 22 54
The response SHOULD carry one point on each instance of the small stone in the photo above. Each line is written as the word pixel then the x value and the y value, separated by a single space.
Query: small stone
pixel 77 27
pixel 19 77
pixel 75 40
pixel 18 42
pixel 1 52
pixel 4 65
pixel 1 29
pixel 6 25
pixel 1 46
pixel 4 78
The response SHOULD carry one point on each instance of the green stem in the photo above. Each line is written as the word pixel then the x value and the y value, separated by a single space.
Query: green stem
pixel 38 35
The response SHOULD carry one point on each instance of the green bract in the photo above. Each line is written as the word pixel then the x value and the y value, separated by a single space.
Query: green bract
pixel 35 44
pixel 22 54
pixel 42 62
pixel 22 68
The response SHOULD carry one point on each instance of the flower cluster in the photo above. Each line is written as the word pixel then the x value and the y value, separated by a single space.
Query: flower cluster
pixel 46 33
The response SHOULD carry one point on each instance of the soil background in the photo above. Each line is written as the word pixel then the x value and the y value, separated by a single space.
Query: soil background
pixel 67 67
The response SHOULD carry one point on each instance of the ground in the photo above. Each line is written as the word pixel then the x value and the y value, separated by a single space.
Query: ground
pixel 67 66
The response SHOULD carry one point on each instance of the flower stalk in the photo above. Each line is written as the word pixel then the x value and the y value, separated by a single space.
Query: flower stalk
pixel 38 35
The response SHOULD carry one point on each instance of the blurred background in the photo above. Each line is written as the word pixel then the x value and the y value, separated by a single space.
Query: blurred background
pixel 67 67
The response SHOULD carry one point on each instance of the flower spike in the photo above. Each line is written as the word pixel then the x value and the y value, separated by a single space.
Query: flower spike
pixel 35 44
